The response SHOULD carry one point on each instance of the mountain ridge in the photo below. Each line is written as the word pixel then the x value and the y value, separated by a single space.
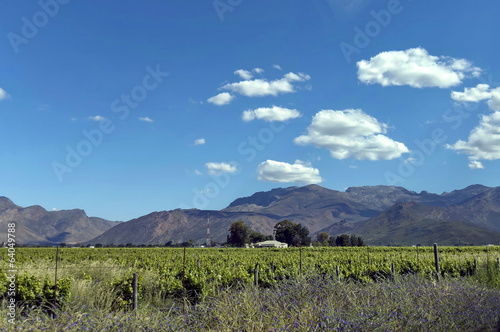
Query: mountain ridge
pixel 471 214
pixel 321 209
pixel 37 226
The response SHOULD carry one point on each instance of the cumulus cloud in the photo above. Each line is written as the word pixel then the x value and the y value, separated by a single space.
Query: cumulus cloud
pixel 262 87
pixel 3 94
pixel 244 74
pixel 258 70
pixel 199 141
pixel 478 93
pixel 223 98
pixel 269 114
pixel 353 134
pixel 146 119
pixel 277 67
pixel 97 118
pixel 484 140
pixel 219 168
pixel 277 171
pixel 415 67
pixel 476 164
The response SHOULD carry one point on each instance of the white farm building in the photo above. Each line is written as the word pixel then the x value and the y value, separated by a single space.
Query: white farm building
pixel 271 244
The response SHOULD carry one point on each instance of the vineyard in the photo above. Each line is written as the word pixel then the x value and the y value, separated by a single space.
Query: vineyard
pixel 200 272
pixel 52 279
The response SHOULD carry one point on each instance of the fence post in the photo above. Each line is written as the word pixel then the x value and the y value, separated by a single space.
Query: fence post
pixel 55 281
pixel 256 275
pixel 337 270
pixel 393 271
pixel 300 262
pixel 436 260
pixel 134 290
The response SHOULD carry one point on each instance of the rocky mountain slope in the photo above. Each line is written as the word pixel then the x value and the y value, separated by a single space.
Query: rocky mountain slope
pixel 35 225
pixel 382 215
pixel 470 215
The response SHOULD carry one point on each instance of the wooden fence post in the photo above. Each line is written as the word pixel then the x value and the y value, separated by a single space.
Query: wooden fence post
pixel 436 260
pixel 337 270
pixel 256 275
pixel 300 263
pixel 134 291
pixel 55 282
pixel 393 271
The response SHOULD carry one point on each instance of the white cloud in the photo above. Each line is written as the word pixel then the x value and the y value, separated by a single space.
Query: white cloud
pixel 219 168
pixel 146 119
pixel 276 171
pixel 199 141
pixel 244 74
pixel 269 114
pixel 410 160
pixel 416 68
pixel 97 118
pixel 197 172
pixel 258 70
pixel 223 98
pixel 476 164
pixel 262 87
pixel 494 101
pixel 478 93
pixel 351 133
pixel 277 67
pixel 484 140
pixel 3 94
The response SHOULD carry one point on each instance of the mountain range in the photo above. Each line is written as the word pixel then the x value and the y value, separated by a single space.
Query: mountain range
pixel 381 215
pixel 37 226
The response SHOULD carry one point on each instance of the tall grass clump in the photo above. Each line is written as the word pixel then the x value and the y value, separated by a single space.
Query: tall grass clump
pixel 409 303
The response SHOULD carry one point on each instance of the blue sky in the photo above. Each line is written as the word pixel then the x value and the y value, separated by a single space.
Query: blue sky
pixel 123 107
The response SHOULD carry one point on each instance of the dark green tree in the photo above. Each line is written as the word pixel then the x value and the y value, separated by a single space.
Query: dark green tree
pixel 239 234
pixel 255 237
pixel 294 234
pixel 354 240
pixel 343 241
pixel 322 238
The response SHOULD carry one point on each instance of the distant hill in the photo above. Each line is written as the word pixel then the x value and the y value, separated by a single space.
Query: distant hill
pixel 380 214
pixel 37 226
pixel 411 223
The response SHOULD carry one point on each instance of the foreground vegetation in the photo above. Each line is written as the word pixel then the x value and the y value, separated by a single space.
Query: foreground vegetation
pixel 410 303
pixel 299 289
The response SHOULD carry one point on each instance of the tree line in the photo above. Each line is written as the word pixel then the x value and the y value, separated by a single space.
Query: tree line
pixel 295 235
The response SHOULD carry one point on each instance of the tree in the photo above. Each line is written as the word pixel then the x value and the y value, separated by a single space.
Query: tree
pixel 291 233
pixel 354 240
pixel 189 243
pixel 239 234
pixel 255 237
pixel 322 238
pixel 343 241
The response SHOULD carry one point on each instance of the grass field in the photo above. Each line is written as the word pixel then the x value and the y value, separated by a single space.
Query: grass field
pixel 376 289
